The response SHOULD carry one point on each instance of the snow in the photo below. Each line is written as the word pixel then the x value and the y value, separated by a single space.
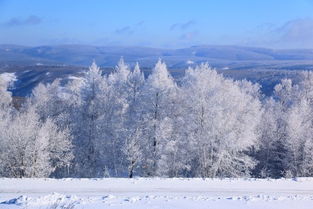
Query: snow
pixel 190 62
pixel 75 78
pixel 156 193
pixel 8 77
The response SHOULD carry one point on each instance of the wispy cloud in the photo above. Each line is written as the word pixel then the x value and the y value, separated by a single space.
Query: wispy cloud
pixel 16 21
pixel 296 33
pixel 124 30
pixel 140 23
pixel 298 30
pixel 183 26
pixel 129 29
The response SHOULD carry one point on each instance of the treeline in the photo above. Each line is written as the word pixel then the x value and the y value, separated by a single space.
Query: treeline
pixel 122 124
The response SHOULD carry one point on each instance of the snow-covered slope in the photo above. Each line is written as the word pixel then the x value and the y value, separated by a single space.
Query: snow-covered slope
pixel 10 78
pixel 156 193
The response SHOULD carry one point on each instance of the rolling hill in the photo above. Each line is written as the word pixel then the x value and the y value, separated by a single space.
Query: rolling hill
pixel 32 65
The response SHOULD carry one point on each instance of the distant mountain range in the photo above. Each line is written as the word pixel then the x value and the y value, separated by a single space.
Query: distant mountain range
pixel 219 56
pixel 31 65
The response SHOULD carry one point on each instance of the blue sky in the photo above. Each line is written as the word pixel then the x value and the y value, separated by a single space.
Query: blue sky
pixel 158 23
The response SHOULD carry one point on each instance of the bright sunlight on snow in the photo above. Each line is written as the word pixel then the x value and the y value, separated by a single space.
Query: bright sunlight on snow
pixel 156 193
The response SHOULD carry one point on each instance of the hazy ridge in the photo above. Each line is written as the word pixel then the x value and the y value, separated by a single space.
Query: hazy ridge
pixel 32 65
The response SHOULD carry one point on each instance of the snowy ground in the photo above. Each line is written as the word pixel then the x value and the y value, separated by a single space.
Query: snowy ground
pixel 156 193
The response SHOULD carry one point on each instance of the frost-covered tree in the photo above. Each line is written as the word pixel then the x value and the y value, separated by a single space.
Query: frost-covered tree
pixel 57 103
pixel 120 87
pixel 132 146
pixel 5 120
pixel 34 148
pixel 5 96
pixel 29 146
pixel 221 120
pixel 299 126
pixel 286 131
pixel 272 148
pixel 300 139
pixel 87 119
pixel 46 100
pixel 122 124
pixel 157 105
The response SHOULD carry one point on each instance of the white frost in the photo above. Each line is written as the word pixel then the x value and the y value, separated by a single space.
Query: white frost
pixel 10 78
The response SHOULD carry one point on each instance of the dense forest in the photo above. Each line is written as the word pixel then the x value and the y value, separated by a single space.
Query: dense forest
pixel 123 125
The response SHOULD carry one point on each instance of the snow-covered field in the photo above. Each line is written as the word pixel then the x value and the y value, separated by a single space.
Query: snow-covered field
pixel 156 193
